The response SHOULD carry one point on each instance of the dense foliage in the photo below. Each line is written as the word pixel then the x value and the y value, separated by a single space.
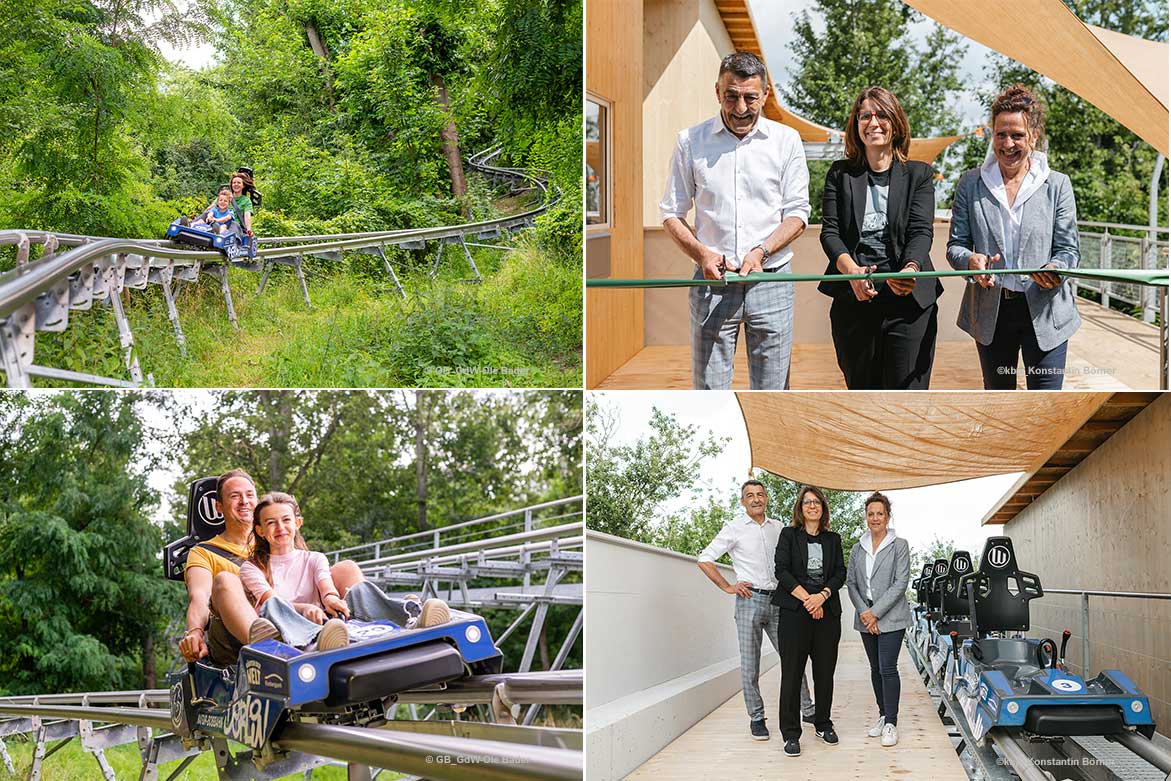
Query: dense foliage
pixel 83 604
pixel 354 114
pixel 633 488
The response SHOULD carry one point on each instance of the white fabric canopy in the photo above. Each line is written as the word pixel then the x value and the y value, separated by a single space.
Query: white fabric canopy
pixel 862 441
pixel 1124 76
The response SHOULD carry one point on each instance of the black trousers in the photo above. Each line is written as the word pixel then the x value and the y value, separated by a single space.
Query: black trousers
pixel 883 652
pixel 887 343
pixel 1014 335
pixel 805 639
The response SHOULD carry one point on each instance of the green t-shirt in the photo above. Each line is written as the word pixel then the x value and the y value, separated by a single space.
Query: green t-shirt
pixel 243 204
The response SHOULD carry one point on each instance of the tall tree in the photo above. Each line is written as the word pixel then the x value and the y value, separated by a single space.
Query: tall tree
pixel 82 599
pixel 842 46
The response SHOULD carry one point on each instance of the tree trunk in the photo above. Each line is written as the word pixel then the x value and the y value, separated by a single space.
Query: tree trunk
pixel 543 644
pixel 318 47
pixel 148 660
pixel 455 164
pixel 421 458
pixel 279 413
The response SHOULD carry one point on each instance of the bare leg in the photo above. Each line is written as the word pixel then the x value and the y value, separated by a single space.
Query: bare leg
pixel 345 574
pixel 229 601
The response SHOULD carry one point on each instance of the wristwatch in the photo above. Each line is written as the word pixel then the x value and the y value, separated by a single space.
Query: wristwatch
pixel 764 253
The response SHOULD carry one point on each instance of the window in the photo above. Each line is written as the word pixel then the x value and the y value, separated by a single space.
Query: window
pixel 597 163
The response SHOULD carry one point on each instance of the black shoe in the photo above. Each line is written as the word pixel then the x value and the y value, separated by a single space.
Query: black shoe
pixel 792 748
pixel 758 730
pixel 829 736
pixel 808 719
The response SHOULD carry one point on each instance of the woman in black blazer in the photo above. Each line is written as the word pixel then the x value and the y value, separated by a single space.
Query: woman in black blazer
pixel 877 213
pixel 810 569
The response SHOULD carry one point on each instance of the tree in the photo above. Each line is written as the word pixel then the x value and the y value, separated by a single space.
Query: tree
pixel 869 42
pixel 1109 166
pixel 865 43
pixel 352 458
pixel 938 549
pixel 628 484
pixel 82 598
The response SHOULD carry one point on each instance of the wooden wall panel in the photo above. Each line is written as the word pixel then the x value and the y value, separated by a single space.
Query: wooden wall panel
pixel 614 319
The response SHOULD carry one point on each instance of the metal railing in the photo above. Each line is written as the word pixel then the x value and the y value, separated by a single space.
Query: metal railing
pixel 523 519
pixel 1106 250
pixel 1085 595
pixel 39 295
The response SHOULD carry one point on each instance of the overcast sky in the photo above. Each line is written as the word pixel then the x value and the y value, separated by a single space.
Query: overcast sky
pixel 952 511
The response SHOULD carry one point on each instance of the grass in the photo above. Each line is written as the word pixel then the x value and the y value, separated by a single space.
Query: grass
pixel 73 763
pixel 520 327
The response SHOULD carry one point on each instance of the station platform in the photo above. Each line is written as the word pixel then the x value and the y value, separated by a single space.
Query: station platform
pixel 1110 352
pixel 719 746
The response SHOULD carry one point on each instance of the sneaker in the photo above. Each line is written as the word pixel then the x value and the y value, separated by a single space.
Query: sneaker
pixel 262 629
pixel 758 730
pixel 333 635
pixel 807 719
pixel 435 612
pixel 792 748
pixel 828 736
pixel 876 730
pixel 890 735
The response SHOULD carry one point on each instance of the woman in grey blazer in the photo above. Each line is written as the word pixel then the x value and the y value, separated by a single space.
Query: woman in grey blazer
pixel 1014 212
pixel 879 572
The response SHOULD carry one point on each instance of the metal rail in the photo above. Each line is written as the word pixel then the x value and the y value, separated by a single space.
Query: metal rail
pixel 358 553
pixel 39 295
pixel 1085 595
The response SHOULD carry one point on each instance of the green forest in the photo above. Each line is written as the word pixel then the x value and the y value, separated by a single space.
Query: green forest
pixel 355 116
pixel 84 517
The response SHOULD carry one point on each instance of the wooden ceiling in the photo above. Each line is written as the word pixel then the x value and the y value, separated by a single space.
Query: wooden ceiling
pixel 1111 416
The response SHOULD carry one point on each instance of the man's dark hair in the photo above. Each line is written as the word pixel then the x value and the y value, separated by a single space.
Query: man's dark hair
pixel 744 65
pixel 748 483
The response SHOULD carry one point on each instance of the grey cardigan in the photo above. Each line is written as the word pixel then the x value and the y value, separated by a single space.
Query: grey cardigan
pixel 888 585
pixel 1048 236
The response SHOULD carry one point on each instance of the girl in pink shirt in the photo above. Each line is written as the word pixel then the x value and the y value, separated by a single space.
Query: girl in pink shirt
pixel 294 592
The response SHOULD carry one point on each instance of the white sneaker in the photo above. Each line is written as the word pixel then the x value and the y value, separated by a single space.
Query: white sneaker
pixel 876 730
pixel 890 735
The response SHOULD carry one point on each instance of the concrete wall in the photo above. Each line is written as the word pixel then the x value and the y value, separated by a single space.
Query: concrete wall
pixel 683 44
pixel 666 315
pixel 1106 526
pixel 661 651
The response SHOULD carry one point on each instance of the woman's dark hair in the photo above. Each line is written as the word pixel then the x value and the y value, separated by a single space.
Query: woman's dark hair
pixel 261 551
pixel 879 497
pixel 799 515
pixel 900 129
pixel 249 186
pixel 1020 98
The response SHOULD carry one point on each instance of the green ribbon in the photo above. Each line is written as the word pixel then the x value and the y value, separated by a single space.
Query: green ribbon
pixel 1151 277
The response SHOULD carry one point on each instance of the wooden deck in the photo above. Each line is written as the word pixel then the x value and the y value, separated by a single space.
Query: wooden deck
pixel 1109 352
pixel 719 746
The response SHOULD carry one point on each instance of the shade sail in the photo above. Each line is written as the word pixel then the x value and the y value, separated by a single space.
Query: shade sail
pixel 863 441
pixel 1117 73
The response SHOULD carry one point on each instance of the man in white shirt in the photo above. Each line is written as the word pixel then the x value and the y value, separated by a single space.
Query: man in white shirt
pixel 751 540
pixel 746 177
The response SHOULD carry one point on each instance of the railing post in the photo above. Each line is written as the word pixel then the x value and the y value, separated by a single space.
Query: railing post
pixel 1106 259
pixel 1146 293
pixel 378 550
pixel 528 528
pixel 1085 636
pixel 435 538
